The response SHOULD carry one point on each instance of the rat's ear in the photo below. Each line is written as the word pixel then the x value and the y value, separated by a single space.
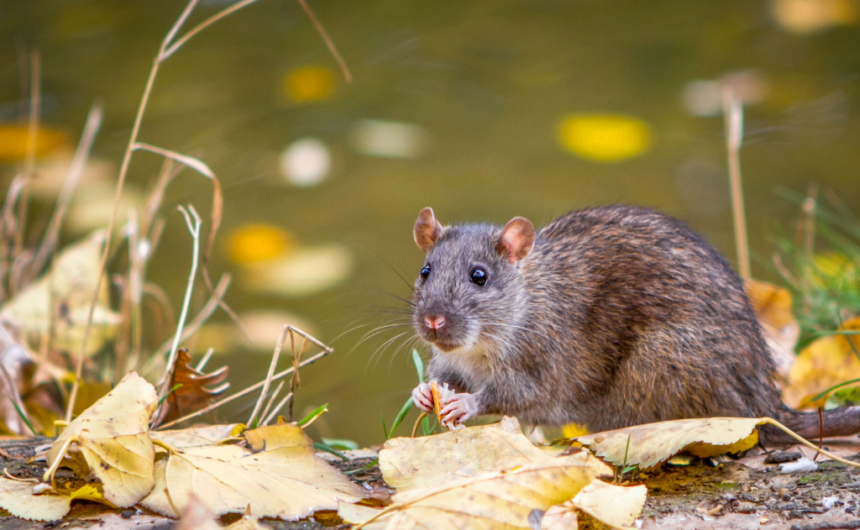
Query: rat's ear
pixel 427 230
pixel 517 239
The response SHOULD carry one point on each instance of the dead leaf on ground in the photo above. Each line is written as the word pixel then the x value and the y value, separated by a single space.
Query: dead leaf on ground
pixel 617 506
pixel 560 517
pixel 506 499
pixel 16 497
pixel 113 437
pixel 826 362
pixel 196 516
pixel 653 443
pixel 408 463
pixel 279 476
pixel 197 388
pixel 67 291
pixel 199 435
pixel 773 307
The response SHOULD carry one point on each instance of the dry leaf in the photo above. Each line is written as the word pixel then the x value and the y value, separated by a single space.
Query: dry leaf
pixel 617 506
pixel 505 499
pixel 408 463
pixel 653 443
pixel 16 497
pixel 248 522
pixel 279 476
pixel 198 436
pixel 773 308
pixel 193 395
pixel 826 362
pixel 113 437
pixel 560 517
pixel 196 516
pixel 356 513
pixel 68 292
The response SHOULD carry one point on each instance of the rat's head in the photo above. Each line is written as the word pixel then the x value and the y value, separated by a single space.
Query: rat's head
pixel 469 289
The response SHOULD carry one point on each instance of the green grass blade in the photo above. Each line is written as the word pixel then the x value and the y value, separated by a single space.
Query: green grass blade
pixel 314 413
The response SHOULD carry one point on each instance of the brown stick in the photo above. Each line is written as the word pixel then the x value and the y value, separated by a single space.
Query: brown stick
pixel 734 120
pixel 328 42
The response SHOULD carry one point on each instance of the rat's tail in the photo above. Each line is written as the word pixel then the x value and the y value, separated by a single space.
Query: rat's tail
pixel 840 421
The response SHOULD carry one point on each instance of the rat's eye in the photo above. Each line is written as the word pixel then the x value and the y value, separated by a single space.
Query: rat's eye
pixel 425 271
pixel 479 276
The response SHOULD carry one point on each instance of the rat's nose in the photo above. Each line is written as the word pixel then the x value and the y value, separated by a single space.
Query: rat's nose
pixel 434 322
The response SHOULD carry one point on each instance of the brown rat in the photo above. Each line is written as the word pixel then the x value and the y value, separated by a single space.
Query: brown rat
pixel 606 317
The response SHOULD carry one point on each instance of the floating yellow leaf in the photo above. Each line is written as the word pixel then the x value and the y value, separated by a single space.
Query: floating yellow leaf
pixel 69 287
pixel 309 83
pixel 772 306
pixel 604 137
pixel 513 498
pixel 653 443
pixel 408 463
pixel 15 140
pixel 16 497
pixel 826 362
pixel 254 242
pixel 283 479
pixel 303 272
pixel 113 437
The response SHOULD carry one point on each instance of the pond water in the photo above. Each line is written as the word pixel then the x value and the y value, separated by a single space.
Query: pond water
pixel 472 108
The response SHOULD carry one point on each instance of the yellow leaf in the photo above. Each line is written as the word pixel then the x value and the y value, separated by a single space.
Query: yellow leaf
pixel 826 362
pixel 617 506
pixel 573 430
pixel 15 141
pixel 408 463
pixel 356 513
pixel 69 287
pixel 17 498
pixel 284 479
pixel 113 437
pixel 604 137
pixel 653 443
pixel 253 242
pixel 503 499
pixel 560 517
pixel 310 83
pixel 197 436
pixel 90 492
pixel 772 306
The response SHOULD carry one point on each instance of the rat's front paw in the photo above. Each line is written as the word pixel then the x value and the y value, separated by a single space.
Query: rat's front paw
pixel 459 408
pixel 422 396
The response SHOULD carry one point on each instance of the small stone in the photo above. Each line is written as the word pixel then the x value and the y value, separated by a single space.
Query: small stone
pixel 780 457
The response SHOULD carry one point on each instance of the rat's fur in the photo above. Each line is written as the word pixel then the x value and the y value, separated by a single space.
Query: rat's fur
pixel 618 316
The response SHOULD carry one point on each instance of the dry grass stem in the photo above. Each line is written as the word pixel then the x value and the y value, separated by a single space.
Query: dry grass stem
pixel 268 406
pixel 287 330
pixel 295 381
pixel 30 156
pixel 274 414
pixel 203 25
pixel 734 120
pixel 192 221
pixel 245 392
pixel 70 184
pixel 328 42
pixel 206 356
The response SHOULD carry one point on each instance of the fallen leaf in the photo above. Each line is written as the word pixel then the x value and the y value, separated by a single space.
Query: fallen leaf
pixel 356 513
pixel 196 516
pixel 617 506
pixel 279 476
pixel 823 364
pixel 604 137
pixel 15 141
pixel 773 308
pixel 408 463
pixel 198 436
pixel 16 497
pixel 563 516
pixel 196 389
pixel 306 84
pixel 255 242
pixel 113 437
pixel 504 499
pixel 67 291
pixel 653 443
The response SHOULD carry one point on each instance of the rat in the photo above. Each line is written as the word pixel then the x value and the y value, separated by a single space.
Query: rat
pixel 607 317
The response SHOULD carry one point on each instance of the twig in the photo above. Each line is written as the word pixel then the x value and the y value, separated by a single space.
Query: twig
pixel 206 356
pixel 203 25
pixel 193 227
pixel 295 381
pixel 734 120
pixel 70 184
pixel 328 42
pixel 245 392
pixel 265 413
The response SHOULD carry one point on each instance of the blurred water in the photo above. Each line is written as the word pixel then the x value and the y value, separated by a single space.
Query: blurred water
pixel 478 90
